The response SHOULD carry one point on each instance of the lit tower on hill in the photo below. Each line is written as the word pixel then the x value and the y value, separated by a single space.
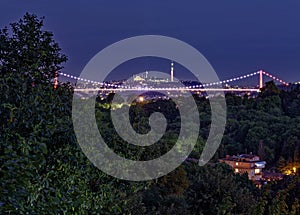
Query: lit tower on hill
pixel 172 71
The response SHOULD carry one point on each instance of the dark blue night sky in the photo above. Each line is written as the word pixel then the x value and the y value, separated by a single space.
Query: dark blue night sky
pixel 237 37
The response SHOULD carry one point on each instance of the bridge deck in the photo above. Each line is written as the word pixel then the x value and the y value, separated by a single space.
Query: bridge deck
pixel 169 89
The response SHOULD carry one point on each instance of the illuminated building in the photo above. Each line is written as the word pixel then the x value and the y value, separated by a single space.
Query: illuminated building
pixel 246 163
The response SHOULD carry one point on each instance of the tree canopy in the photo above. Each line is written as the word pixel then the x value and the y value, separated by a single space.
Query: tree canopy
pixel 43 170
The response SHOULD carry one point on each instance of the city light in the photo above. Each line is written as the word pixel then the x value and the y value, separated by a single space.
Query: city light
pixel 141 99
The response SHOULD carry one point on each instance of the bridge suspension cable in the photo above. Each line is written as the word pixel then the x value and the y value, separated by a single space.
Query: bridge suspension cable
pixel 109 85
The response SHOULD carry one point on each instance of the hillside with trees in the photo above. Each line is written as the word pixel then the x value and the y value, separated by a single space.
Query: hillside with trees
pixel 44 171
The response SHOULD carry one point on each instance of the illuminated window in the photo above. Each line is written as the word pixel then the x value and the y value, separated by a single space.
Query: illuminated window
pixel 257 171
pixel 237 163
pixel 236 170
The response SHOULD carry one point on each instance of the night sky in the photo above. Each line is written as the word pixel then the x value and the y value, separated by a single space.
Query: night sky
pixel 237 37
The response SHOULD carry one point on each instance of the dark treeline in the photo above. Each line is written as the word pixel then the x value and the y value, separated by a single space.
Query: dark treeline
pixel 43 170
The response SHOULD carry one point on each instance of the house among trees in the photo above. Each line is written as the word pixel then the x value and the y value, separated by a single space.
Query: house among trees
pixel 246 163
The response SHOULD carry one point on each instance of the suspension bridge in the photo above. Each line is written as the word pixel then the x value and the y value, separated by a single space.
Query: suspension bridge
pixel 214 86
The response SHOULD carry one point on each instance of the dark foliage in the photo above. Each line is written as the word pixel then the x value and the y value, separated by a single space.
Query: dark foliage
pixel 43 170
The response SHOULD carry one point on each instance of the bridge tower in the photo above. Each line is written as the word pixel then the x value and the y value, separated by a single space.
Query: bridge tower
pixel 260 79
pixel 55 81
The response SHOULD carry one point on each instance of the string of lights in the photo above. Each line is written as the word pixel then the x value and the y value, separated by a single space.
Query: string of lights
pixel 275 78
pixel 108 85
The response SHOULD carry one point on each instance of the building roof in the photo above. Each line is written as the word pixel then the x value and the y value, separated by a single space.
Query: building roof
pixel 242 158
pixel 250 156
